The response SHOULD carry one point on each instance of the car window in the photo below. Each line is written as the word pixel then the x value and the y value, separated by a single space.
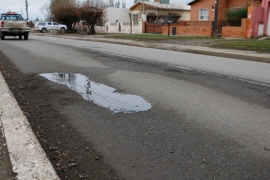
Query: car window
pixel 55 23
pixel 49 23
pixel 3 17
pixel 42 24
pixel 12 17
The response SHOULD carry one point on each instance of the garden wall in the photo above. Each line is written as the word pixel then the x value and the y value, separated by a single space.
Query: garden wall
pixel 188 30
pixel 236 32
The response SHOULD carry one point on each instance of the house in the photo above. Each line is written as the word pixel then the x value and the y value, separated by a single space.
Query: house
pixel 257 22
pixel 157 11
pixel 133 20
pixel 204 10
pixel 151 15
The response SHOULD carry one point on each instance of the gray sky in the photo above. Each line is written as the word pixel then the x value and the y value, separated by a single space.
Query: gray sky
pixel 35 6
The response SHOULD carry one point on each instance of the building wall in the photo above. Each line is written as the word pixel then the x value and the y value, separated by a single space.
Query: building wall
pixel 256 16
pixel 241 3
pixel 185 16
pixel 266 7
pixel 194 12
pixel 223 6
pixel 116 14
pixel 117 20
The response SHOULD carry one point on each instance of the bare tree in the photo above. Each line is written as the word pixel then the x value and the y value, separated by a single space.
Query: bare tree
pixel 110 3
pixel 117 4
pixel 64 11
pixel 124 4
pixel 92 13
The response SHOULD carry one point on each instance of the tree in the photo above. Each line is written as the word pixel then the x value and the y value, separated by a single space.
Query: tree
pixel 64 11
pixel 124 4
pixel 45 10
pixel 92 13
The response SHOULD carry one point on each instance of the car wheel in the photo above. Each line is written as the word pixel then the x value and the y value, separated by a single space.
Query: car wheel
pixel 62 30
pixel 44 30
pixel 25 37
pixel 20 37
pixel 2 37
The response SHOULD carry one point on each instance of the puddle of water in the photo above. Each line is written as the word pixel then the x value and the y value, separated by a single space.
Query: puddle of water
pixel 100 94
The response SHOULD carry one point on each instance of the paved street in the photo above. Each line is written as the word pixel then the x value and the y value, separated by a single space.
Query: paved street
pixel 209 116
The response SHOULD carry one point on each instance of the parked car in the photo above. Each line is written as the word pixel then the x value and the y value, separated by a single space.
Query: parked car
pixel 43 27
pixel 13 24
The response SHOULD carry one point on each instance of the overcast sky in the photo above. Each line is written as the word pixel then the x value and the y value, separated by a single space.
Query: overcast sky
pixel 35 7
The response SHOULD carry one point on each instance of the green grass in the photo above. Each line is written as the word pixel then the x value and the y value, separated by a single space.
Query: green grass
pixel 153 37
pixel 250 45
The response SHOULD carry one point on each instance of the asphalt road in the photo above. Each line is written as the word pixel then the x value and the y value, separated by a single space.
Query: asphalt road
pixel 209 117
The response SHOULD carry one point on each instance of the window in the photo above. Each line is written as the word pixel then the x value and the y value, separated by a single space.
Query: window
pixel 55 23
pixel 203 14
pixel 135 19
pixel 49 23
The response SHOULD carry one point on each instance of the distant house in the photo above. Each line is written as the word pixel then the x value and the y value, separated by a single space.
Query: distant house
pixel 159 11
pixel 256 23
pixel 204 10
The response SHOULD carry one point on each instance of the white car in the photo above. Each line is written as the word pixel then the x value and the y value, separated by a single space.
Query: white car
pixel 43 27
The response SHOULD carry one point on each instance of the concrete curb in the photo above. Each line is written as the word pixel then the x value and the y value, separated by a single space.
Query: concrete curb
pixel 28 159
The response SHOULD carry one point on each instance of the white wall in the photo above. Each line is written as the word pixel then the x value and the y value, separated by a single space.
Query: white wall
pixel 119 17
pixel 185 16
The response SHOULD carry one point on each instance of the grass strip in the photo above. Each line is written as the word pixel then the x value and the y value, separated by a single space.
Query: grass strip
pixel 153 37
pixel 248 45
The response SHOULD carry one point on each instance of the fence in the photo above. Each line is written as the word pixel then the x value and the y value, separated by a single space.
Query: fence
pixel 153 28
pixel 189 28
pixel 196 28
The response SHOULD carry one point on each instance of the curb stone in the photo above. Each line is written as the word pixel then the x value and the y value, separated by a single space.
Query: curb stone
pixel 28 159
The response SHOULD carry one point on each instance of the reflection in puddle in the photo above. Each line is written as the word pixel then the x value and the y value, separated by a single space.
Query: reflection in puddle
pixel 100 94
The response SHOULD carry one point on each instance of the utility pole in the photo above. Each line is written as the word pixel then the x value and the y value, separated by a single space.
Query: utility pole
pixel 26 8
pixel 130 23
pixel 216 18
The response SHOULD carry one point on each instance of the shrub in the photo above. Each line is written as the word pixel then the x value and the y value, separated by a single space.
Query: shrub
pixel 234 16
